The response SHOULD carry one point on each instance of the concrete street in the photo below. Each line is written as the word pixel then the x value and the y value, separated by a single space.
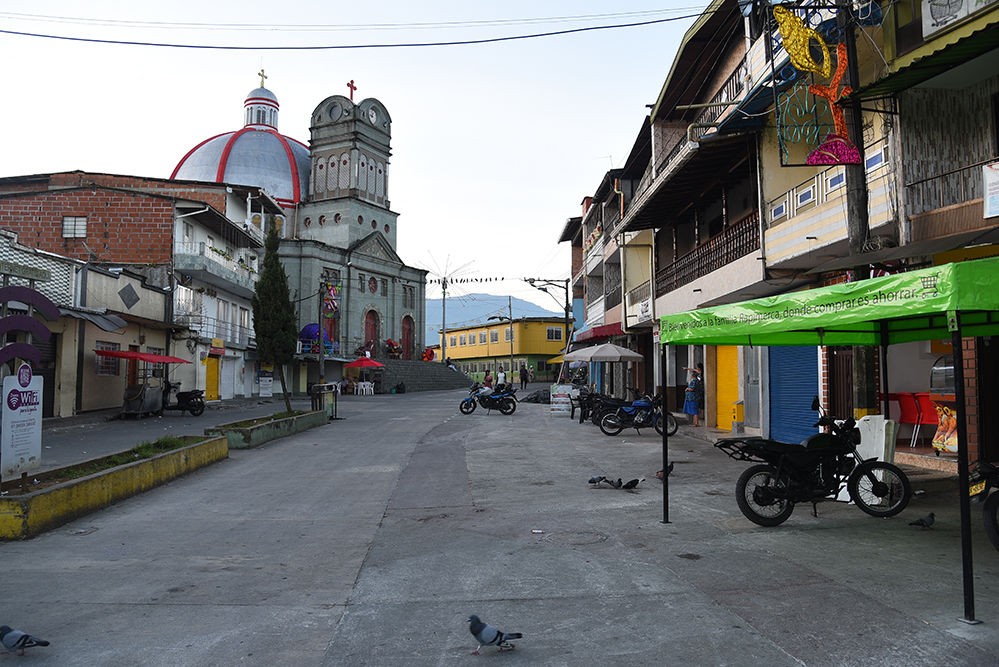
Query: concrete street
pixel 370 540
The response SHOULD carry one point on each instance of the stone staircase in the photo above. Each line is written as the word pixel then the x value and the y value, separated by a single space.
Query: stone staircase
pixel 421 376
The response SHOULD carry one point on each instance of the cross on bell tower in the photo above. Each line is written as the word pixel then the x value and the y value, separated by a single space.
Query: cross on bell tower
pixel 352 89
pixel 262 77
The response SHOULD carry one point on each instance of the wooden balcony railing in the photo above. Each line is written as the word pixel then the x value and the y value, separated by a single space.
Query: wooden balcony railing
pixel 736 241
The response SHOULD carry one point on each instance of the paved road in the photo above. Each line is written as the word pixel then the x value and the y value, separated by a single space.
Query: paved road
pixel 369 542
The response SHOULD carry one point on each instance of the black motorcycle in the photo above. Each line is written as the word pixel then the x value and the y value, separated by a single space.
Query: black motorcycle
pixel 645 412
pixel 813 471
pixel 984 480
pixel 192 401
pixel 502 398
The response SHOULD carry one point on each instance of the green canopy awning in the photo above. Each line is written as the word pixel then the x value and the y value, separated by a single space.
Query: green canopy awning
pixel 950 301
pixel 901 308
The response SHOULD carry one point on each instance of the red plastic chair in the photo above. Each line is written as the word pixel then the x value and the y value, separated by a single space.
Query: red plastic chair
pixel 927 413
pixel 909 410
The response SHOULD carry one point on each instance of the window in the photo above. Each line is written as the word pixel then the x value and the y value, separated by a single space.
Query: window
pixel 482 338
pixel 105 365
pixel 806 195
pixel 471 338
pixel 836 180
pixel 360 282
pixel 384 287
pixel 554 333
pixel 494 336
pixel 454 341
pixel 874 160
pixel 778 211
pixel 74 226
pixel 461 339
pixel 188 232
pixel 508 334
pixel 154 366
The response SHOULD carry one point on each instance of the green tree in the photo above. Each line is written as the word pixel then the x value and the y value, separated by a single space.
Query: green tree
pixel 273 314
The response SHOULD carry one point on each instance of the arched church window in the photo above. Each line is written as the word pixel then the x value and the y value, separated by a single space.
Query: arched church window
pixel 386 229
pixel 362 174
pixel 331 174
pixel 374 224
pixel 380 185
pixel 344 179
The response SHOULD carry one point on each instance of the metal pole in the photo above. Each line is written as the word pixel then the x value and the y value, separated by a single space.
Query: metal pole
pixel 665 352
pixel 962 471
pixel 510 307
pixel 319 333
pixel 444 320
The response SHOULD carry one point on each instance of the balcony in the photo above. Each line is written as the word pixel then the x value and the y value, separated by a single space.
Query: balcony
pixel 809 221
pixel 947 203
pixel 213 266
pixel 638 305
pixel 736 241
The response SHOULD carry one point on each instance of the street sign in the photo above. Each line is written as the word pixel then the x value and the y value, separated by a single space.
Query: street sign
pixel 21 423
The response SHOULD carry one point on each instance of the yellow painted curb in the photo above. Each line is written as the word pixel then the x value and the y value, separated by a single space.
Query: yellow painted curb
pixel 26 516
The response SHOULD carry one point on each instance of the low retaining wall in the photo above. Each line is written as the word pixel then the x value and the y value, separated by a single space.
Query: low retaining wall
pixel 251 436
pixel 29 515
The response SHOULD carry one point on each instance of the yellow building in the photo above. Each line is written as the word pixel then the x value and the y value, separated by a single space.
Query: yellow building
pixel 529 341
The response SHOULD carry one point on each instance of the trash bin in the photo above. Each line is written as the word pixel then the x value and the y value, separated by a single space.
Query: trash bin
pixel 324 398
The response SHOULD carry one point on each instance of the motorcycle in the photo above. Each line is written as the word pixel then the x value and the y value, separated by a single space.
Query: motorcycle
pixel 596 406
pixel 504 400
pixel 985 479
pixel 813 471
pixel 192 401
pixel 642 413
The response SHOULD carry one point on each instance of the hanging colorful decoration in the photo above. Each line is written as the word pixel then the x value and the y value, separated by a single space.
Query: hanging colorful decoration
pixel 797 40
pixel 811 125
pixel 836 149
pixel 331 301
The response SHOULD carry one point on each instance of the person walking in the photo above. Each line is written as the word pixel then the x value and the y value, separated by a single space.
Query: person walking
pixel 523 376
pixel 500 378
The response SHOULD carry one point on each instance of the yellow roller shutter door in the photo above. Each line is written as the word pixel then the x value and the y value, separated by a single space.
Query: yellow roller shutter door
pixel 726 384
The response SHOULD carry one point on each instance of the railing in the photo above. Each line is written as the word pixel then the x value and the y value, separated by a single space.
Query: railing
pixel 950 187
pixel 612 298
pixel 639 294
pixel 736 241
pixel 212 327
pixel 237 265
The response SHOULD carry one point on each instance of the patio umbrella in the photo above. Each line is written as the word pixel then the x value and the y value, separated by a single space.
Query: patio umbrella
pixel 605 352
pixel 363 362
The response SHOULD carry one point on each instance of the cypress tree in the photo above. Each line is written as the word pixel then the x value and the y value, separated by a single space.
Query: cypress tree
pixel 273 315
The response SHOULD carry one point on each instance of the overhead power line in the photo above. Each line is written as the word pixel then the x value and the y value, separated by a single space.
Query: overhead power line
pixel 463 42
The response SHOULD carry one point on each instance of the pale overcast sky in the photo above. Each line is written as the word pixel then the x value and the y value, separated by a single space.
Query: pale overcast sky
pixel 494 145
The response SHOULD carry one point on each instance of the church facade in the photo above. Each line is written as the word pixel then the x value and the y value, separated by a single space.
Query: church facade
pixel 339 231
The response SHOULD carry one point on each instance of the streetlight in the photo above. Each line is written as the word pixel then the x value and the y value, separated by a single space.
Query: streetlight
pixel 325 286
pixel 543 285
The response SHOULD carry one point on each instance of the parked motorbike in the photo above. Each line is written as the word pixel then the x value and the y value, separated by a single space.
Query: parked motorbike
pixel 596 406
pixel 985 479
pixel 192 401
pixel 644 412
pixel 503 399
pixel 813 471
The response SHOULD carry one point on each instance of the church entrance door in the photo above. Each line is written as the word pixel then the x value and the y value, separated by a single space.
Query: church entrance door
pixel 371 331
pixel 407 337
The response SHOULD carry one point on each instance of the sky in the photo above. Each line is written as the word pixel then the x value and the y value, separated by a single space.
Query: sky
pixel 494 145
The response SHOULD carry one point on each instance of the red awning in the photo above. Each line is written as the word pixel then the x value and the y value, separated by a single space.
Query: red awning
pixel 141 356
pixel 605 331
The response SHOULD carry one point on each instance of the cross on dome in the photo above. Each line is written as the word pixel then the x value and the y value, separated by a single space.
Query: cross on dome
pixel 262 77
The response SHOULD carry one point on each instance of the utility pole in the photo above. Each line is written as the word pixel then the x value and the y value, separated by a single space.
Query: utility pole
pixel 324 288
pixel 542 284
pixel 444 320
pixel 858 226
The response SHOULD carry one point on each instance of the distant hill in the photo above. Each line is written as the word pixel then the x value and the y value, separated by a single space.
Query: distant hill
pixel 474 309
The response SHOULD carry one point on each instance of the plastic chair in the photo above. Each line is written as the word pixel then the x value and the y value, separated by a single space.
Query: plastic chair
pixel 366 388
pixel 927 413
pixel 909 412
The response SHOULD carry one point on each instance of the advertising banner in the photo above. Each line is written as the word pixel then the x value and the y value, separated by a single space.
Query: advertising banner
pixel 21 423
pixel 990 173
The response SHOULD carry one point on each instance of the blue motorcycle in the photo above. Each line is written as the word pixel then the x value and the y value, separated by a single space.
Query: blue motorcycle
pixel 646 412
pixel 504 400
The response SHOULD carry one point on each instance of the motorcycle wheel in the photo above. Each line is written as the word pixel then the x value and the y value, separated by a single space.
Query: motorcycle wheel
pixel 886 494
pixel 754 493
pixel 467 406
pixel 657 421
pixel 671 424
pixel 611 424
pixel 197 408
pixel 507 406
pixel 598 416
pixel 990 515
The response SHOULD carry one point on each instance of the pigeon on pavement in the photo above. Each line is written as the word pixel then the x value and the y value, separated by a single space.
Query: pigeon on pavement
pixel 487 634
pixel 617 484
pixel 925 522
pixel 632 484
pixel 669 470
pixel 15 639
pixel 597 479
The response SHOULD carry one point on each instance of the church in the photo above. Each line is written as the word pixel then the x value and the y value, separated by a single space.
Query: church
pixel 338 229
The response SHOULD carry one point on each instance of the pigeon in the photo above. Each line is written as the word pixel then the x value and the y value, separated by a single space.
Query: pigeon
pixel 597 480
pixel 669 470
pixel 925 522
pixel 616 485
pixel 487 634
pixel 15 639
pixel 632 484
